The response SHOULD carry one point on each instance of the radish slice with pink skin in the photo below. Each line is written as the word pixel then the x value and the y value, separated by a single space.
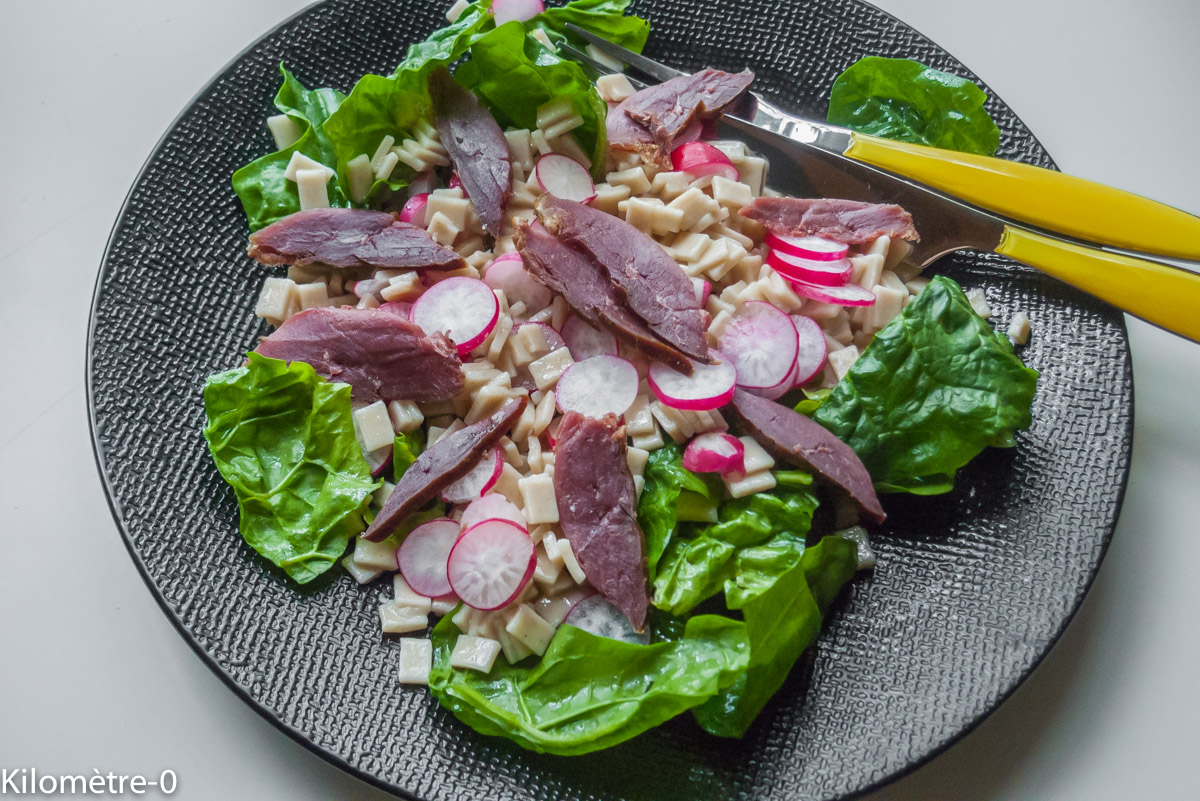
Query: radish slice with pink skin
pixel 811 351
pixel 379 460
pixel 595 615
pixel 489 507
pixel 564 177
pixel 710 386
pixel 701 158
pixel 464 309
pixel 779 390
pixel 423 556
pixel 456 183
pixel 825 273
pixel 597 386
pixel 520 10
pixel 807 247
pixel 848 295
pixel 399 308
pixel 703 290
pixel 481 478
pixel 509 275
pixel 491 564
pixel 715 452
pixel 553 339
pixel 585 341
pixel 414 209
pixel 761 342
pixel 422 184
pixel 511 255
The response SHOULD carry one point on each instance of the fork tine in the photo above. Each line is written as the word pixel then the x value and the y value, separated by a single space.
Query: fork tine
pixel 578 55
pixel 649 66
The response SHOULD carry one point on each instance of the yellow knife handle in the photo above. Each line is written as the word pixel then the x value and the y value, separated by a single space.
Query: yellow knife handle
pixel 1040 197
pixel 1158 293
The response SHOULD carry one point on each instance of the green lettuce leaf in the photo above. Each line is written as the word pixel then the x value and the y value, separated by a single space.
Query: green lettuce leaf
pixel 590 692
pixel 904 100
pixel 782 590
pixel 932 390
pixel 284 440
pixel 694 569
pixel 405 451
pixel 513 74
pixel 666 479
pixel 392 105
pixel 603 17
pixel 265 193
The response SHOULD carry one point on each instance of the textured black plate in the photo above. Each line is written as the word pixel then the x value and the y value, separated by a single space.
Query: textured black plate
pixel 971 591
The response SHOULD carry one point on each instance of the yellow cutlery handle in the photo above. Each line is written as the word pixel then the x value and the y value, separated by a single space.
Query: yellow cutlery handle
pixel 1040 197
pixel 1157 293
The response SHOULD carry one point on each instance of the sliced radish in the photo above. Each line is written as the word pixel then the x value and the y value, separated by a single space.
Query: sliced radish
pixel 520 10
pixel 703 290
pixel 399 308
pixel 465 309
pixel 423 184
pixel 710 386
pixel 423 556
pixel 715 452
pixel 553 338
pixel 414 209
pixel 812 348
pixel 480 479
pixel 597 386
pixel 701 158
pixel 508 274
pixel 848 295
pixel 807 247
pixel 585 341
pixel 761 342
pixel 597 616
pixel 779 390
pixel 456 183
pixel 491 564
pixel 825 273
pixel 511 255
pixel 564 177
pixel 493 506
pixel 379 460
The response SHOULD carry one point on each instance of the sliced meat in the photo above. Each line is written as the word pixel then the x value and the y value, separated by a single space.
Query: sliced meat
pixel 476 146
pixel 588 291
pixel 656 288
pixel 382 356
pixel 350 238
pixel 650 121
pixel 850 222
pixel 441 464
pixel 597 509
pixel 793 438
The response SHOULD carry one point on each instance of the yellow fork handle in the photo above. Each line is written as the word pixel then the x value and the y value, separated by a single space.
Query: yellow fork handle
pixel 1040 197
pixel 1166 296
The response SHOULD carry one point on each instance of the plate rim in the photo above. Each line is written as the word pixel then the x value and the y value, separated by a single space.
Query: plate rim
pixel 338 761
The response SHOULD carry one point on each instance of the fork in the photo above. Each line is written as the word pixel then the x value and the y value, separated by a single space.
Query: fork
pixel 965 202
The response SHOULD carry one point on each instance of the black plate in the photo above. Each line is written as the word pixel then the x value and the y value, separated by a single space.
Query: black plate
pixel 971 591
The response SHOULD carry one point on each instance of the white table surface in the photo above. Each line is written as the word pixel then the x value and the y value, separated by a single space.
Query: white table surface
pixel 93 676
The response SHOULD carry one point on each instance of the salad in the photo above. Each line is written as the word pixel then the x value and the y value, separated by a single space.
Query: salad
pixel 612 415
